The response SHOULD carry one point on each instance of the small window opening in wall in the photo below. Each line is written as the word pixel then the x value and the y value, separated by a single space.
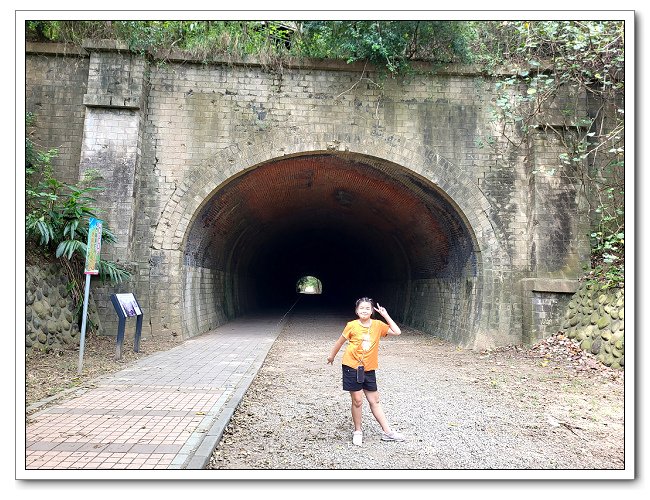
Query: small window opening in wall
pixel 309 285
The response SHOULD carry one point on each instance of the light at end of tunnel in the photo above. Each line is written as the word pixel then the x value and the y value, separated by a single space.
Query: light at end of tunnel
pixel 309 285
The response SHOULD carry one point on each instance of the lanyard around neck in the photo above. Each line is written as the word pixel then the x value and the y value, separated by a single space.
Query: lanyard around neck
pixel 363 351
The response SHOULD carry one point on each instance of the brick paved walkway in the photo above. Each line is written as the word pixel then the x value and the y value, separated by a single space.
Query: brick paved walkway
pixel 166 411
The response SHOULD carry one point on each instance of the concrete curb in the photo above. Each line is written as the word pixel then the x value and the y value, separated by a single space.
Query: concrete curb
pixel 199 457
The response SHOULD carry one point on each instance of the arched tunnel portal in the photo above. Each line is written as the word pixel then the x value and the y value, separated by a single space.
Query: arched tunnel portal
pixel 361 225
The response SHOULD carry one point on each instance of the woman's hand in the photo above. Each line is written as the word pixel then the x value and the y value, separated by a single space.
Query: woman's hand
pixel 381 310
pixel 337 347
pixel 393 328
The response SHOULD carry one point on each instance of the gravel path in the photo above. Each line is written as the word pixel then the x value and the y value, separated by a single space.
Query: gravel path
pixel 459 409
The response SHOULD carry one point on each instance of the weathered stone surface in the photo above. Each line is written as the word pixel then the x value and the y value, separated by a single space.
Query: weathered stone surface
pixel 41 309
pixel 207 126
pixel 52 326
pixel 596 345
pixel 605 334
pixel 50 322
pixel 603 322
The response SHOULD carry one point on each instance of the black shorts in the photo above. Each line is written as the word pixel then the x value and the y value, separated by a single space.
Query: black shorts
pixel 350 380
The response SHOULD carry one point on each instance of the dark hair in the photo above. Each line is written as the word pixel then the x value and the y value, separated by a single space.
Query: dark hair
pixel 365 299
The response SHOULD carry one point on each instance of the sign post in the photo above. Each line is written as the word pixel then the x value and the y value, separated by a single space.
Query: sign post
pixel 93 248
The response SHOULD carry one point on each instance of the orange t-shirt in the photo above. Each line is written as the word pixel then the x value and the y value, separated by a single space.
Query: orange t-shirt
pixel 363 343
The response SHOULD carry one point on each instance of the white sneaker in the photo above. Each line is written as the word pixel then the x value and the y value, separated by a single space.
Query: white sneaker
pixel 392 436
pixel 357 438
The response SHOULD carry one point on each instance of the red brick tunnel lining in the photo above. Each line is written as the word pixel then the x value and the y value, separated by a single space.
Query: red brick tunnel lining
pixel 342 219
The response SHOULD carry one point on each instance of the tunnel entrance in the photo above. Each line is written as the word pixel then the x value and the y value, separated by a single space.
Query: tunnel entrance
pixel 364 226
pixel 309 285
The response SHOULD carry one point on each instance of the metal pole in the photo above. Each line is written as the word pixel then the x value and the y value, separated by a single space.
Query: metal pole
pixel 82 339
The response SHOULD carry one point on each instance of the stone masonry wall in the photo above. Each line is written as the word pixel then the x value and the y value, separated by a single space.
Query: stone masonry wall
pixel 596 318
pixel 50 312
pixel 49 315
pixel 56 82
pixel 197 113
pixel 166 137
pixel 112 145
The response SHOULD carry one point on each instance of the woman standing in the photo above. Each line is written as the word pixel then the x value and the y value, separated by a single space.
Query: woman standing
pixel 360 361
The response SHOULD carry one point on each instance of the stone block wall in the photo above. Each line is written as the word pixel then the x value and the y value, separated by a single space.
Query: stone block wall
pixel 111 147
pixel 205 311
pixel 560 244
pixel 443 306
pixel 168 137
pixel 56 81
pixel 51 318
pixel 202 118
pixel 595 317
pixel 546 301
pixel 547 307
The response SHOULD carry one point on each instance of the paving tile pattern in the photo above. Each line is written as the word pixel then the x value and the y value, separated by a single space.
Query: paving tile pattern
pixel 157 413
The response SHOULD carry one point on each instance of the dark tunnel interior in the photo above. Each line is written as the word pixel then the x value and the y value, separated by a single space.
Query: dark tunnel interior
pixel 362 226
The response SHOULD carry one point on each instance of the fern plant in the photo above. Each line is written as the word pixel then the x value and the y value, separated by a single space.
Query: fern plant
pixel 57 217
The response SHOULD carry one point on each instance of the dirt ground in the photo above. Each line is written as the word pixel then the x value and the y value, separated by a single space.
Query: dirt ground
pixel 549 406
pixel 51 374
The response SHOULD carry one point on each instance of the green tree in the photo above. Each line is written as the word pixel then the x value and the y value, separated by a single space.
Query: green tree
pixel 391 45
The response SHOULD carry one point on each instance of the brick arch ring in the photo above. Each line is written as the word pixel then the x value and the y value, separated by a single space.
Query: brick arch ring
pixel 202 181
pixel 207 178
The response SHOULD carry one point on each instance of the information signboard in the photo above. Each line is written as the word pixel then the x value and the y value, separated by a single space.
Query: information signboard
pixel 126 306
pixel 93 247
